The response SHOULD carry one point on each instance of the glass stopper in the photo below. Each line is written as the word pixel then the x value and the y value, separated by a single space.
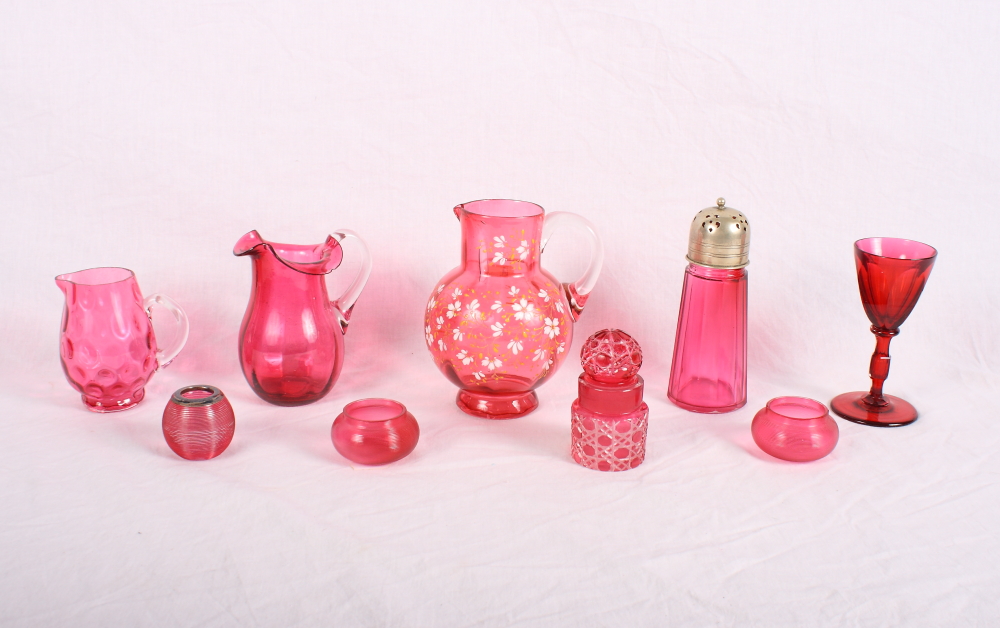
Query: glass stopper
pixel 611 356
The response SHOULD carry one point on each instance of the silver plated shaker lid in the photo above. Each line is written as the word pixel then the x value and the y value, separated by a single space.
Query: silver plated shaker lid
pixel 720 238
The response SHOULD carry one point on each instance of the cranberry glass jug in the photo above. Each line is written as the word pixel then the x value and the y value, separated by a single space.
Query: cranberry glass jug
pixel 498 325
pixel 107 345
pixel 292 338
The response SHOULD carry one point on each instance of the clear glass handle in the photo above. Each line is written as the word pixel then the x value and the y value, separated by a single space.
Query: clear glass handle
pixel 345 303
pixel 165 356
pixel 578 291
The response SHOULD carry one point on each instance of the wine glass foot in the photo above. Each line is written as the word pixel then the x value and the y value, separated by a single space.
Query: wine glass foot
pixel 851 406
pixel 497 405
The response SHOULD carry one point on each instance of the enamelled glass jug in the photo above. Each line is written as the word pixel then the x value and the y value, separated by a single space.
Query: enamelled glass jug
pixel 498 325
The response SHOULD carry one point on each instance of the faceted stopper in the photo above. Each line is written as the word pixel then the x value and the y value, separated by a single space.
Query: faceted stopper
pixel 611 356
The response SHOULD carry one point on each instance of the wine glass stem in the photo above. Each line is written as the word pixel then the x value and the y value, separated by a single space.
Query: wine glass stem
pixel 879 368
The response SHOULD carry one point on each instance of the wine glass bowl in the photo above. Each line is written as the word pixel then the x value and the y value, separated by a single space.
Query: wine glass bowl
pixel 891 276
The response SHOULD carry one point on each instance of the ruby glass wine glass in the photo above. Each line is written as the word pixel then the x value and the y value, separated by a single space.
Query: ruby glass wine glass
pixel 891 275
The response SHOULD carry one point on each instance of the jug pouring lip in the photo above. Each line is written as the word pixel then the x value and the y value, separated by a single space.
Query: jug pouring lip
pixel 500 208
pixel 309 259
pixel 99 276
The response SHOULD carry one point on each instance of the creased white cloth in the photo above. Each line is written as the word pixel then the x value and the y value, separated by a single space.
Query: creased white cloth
pixel 153 135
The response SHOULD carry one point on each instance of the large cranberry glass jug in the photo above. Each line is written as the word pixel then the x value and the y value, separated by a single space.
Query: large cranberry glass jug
pixel 498 325
pixel 292 336
pixel 107 344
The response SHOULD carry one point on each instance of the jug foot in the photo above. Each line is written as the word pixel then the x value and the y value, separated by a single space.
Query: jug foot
pixel 497 405
pixel 106 405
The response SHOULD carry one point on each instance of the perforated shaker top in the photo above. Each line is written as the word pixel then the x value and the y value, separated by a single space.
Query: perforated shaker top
pixel 720 238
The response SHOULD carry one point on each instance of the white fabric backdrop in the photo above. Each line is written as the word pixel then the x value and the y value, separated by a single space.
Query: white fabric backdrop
pixel 153 135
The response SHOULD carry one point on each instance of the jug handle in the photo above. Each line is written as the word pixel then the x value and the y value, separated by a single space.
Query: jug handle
pixel 165 356
pixel 343 305
pixel 578 291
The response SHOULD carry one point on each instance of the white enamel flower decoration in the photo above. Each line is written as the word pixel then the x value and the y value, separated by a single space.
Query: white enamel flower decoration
pixel 456 334
pixel 429 336
pixel 457 293
pixel 473 306
pixel 551 328
pixel 542 294
pixel 497 329
pixel 499 242
pixel 497 306
pixel 441 345
pixel 561 347
pixel 440 289
pixel 478 375
pixel 439 321
pixel 522 251
pixel 540 354
pixel 454 309
pixel 515 346
pixel 431 304
pixel 513 291
pixel 492 363
pixel 559 307
pixel 498 258
pixel 463 355
pixel 523 311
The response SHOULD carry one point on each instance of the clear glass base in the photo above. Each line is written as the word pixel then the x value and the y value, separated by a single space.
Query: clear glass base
pixel 497 405
pixel 851 406
pixel 103 405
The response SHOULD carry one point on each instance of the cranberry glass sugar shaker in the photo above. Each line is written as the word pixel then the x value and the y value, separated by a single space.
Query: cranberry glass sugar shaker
pixel 709 370
pixel 610 417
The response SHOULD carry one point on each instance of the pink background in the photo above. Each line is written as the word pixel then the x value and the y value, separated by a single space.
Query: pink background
pixel 153 135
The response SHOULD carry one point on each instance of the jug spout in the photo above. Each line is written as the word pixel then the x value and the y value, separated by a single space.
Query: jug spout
pixel 97 279
pixel 65 285
pixel 248 243
pixel 309 259
pixel 67 288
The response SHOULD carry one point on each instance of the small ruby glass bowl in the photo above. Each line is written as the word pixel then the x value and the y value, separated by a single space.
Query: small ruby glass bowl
pixel 795 429
pixel 375 431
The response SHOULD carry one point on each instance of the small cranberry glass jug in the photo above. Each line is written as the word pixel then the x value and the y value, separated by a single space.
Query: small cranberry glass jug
pixel 107 344
pixel 498 325
pixel 292 336
pixel 709 370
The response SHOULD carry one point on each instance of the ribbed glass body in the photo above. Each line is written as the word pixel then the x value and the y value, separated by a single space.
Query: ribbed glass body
pixel 198 422
pixel 709 373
